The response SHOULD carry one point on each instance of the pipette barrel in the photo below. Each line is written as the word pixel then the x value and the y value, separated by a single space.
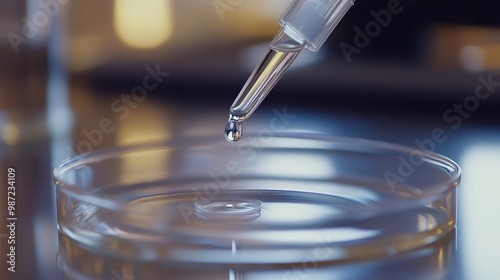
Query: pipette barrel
pixel 312 21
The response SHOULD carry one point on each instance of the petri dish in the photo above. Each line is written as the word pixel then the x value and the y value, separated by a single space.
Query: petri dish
pixel 272 199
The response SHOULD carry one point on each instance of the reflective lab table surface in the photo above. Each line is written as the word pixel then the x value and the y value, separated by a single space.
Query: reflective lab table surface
pixel 100 121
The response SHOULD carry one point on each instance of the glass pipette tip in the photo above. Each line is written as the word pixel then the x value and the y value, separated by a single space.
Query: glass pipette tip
pixel 305 23
pixel 280 55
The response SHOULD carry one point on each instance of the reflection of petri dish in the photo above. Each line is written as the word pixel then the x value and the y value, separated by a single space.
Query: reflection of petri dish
pixel 273 199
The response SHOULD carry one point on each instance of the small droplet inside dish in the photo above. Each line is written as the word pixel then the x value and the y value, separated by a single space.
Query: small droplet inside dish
pixel 228 208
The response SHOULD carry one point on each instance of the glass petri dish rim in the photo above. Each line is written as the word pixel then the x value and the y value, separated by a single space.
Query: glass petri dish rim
pixel 334 143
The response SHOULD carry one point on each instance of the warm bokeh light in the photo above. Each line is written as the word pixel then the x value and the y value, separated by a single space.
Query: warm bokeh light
pixel 480 57
pixel 473 48
pixel 143 24
pixel 10 133
pixel 255 19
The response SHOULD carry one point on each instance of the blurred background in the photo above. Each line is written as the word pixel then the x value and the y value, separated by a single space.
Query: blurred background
pixel 77 76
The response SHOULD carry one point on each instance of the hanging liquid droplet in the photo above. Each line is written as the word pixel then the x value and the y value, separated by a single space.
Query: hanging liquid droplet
pixel 233 131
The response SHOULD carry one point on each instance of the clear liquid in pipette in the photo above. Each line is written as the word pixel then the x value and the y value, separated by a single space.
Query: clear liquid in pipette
pixel 263 79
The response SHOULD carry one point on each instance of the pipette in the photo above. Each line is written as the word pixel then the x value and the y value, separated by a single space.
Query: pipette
pixel 304 24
